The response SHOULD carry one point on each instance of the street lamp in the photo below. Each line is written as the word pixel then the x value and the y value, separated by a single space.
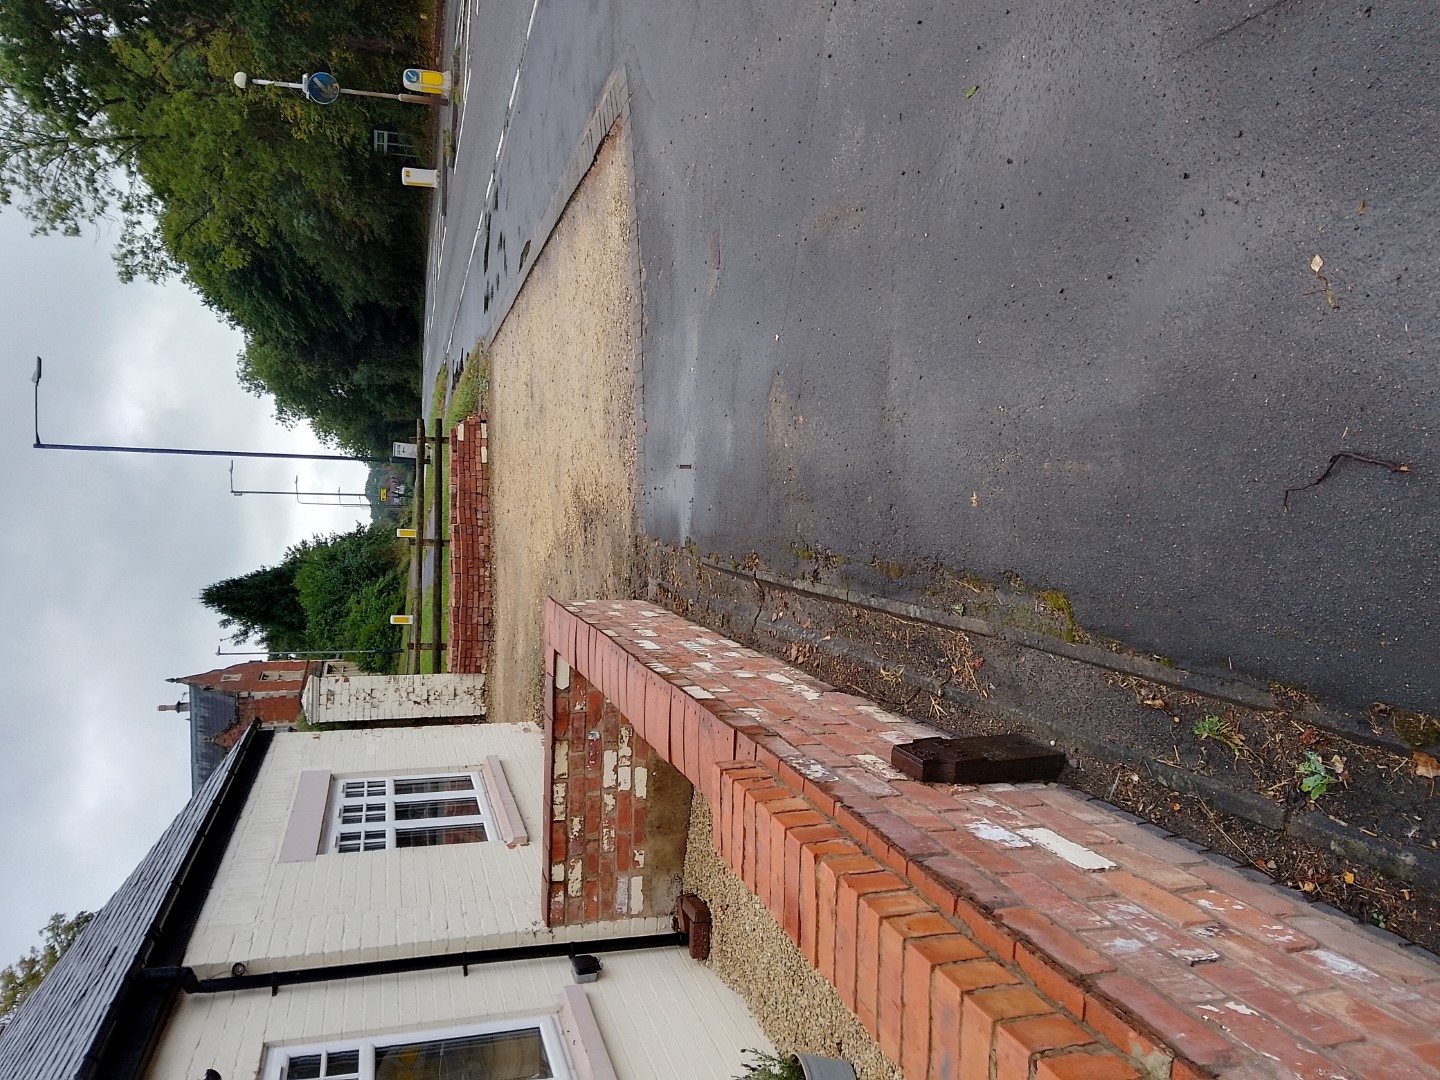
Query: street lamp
pixel 297 493
pixel 35 378
pixel 322 88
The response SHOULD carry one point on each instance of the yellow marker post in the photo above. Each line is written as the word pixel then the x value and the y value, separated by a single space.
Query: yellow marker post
pixel 425 81
pixel 405 534
pixel 412 177
pixel 401 620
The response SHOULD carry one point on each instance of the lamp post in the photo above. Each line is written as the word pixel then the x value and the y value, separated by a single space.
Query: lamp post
pixel 297 493
pixel 35 378
pixel 322 88
pixel 297 654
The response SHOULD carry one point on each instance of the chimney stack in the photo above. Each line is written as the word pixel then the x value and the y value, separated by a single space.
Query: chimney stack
pixel 178 707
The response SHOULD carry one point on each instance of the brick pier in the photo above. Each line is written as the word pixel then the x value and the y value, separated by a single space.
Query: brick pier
pixel 1005 932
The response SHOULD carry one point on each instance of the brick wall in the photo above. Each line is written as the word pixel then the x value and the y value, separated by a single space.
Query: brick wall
pixel 998 932
pixel 602 859
pixel 468 648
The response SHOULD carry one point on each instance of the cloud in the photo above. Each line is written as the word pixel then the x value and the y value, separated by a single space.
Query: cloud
pixel 106 554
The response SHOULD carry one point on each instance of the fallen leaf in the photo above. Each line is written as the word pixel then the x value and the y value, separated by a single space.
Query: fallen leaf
pixel 972 91
pixel 1174 806
pixel 1316 263
pixel 1426 766
pixel 1308 886
pixel 1361 210
pixel 974 498
pixel 1349 877
pixel 1154 703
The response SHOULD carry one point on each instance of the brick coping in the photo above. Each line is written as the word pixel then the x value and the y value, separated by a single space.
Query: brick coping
pixel 935 910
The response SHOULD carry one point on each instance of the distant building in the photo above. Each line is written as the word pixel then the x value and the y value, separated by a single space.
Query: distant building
pixel 224 702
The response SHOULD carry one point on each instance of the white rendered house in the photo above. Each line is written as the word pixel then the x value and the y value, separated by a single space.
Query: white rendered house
pixel 366 904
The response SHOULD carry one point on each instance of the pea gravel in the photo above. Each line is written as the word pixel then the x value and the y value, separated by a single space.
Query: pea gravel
pixel 796 1008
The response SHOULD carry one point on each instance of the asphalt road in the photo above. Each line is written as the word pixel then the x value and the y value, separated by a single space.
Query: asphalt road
pixel 1024 288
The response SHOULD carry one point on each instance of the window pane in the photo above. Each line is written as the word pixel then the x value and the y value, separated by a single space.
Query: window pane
pixel 441 834
pixel 433 808
pixel 355 813
pixel 421 784
pixel 504 1055
pixel 340 1064
pixel 306 1067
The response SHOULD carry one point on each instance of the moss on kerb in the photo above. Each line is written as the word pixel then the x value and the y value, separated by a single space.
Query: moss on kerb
pixel 1417 730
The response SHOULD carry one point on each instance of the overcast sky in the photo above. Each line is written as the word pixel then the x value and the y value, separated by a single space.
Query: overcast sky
pixel 105 554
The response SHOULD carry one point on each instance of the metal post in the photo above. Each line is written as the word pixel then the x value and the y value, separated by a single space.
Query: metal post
pixel 420 513
pixel 435 643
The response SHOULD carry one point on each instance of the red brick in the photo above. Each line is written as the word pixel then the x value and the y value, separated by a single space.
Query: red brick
pixel 1055 943
pixel 919 959
pixel 810 855
pixel 1254 993
pixel 1271 898
pixel 1374 1021
pixel 847 926
pixel 1154 870
pixel 874 910
pixel 1179 1030
pixel 951 985
pixel 787 847
pixel 1017 1042
pixel 769 884
pixel 984 856
pixel 656 715
pixel 979 1014
pixel 1264 927
pixel 1118 1030
pixel 1260 1035
pixel 1347 940
pixel 742 819
pixel 1054 982
pixel 757 835
pixel 1076 885
pixel 1370 1060
pixel 987 930
pixel 964 879
pixel 1160 901
pixel 829 871
pixel 1042 896
pixel 1083 1066
pixel 1276 968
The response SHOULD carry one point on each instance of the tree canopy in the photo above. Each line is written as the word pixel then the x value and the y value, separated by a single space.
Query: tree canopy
pixel 275 209
pixel 20 979
pixel 331 592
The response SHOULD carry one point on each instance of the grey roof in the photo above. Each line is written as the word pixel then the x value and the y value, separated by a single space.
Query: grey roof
pixel 59 1030
pixel 212 712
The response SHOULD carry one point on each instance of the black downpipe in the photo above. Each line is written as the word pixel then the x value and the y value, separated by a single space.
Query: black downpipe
pixel 273 980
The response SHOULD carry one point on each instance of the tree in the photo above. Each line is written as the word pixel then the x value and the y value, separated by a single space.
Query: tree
pixel 275 210
pixel 330 592
pixel 263 604
pixel 20 979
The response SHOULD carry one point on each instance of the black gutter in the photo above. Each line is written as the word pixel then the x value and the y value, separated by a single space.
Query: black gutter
pixel 125 1045
pixel 184 977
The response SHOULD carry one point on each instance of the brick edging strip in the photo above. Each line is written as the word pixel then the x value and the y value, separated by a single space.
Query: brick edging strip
pixel 471 610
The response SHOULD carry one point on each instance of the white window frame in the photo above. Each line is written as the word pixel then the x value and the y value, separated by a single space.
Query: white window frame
pixel 377 825
pixel 277 1058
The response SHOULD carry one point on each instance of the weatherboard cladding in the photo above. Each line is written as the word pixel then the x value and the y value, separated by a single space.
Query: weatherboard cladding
pixel 54 1032
pixel 212 713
